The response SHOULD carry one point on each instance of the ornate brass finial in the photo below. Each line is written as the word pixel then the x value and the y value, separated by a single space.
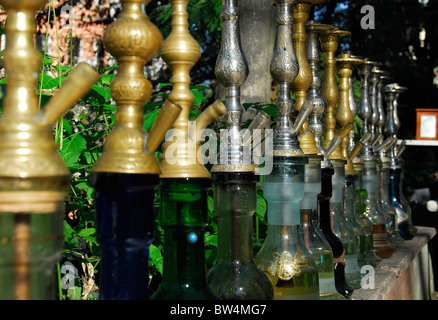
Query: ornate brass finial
pixel 181 51
pixel 33 177
pixel 303 79
pixel 330 91
pixel 344 113
pixel 133 40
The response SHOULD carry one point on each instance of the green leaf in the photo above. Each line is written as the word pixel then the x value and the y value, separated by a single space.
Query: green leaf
pixel 86 232
pixel 107 78
pixel 156 257
pixel 104 92
pixel 67 126
pixel 199 97
pixel 74 293
pixel 72 149
pixel 149 119
pixel 210 202
pixel 70 235
pixel 261 208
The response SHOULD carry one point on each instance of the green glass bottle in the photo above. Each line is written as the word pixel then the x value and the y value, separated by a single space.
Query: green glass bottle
pixel 183 217
pixel 350 215
pixel 361 195
pixel 235 275
pixel 284 256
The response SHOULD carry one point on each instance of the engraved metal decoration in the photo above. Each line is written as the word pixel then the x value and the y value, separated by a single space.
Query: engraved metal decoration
pixel 232 70
pixel 284 69
pixel 181 51
pixel 129 148
pixel 33 178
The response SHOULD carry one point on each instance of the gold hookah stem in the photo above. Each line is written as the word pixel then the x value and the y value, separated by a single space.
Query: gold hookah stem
pixel 329 89
pixel 344 114
pixel 304 78
pixel 181 51
pixel 33 177
pixel 133 40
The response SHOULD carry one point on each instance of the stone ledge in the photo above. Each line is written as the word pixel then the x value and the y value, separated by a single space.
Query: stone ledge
pixel 396 277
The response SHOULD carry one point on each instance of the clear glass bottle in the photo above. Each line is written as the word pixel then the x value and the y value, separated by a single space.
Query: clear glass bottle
pixel 340 226
pixel 381 246
pixel 183 217
pixel 360 206
pixel 313 238
pixel 383 200
pixel 400 207
pixel 283 256
pixel 235 275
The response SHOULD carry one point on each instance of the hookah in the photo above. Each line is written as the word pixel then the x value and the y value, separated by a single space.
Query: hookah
pixel 341 224
pixel 184 181
pixel 383 164
pixel 235 275
pixel 284 257
pixel 329 40
pixel 303 80
pixel 391 92
pixel 373 212
pixel 313 237
pixel 34 179
pixel 126 174
pixel 329 90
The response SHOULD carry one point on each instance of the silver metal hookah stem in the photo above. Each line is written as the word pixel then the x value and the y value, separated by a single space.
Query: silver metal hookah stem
pixel 364 108
pixel 391 93
pixel 374 119
pixel 232 71
pixel 284 70
pixel 313 53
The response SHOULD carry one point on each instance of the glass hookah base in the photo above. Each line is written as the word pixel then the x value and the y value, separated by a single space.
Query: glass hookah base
pixel 299 287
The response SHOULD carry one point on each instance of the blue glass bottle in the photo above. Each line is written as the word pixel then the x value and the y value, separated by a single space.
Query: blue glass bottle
pixel 400 208
pixel 124 225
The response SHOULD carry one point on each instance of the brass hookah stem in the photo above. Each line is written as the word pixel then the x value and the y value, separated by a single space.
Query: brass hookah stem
pixel 344 113
pixel 129 148
pixel 329 90
pixel 33 177
pixel 303 80
pixel 180 51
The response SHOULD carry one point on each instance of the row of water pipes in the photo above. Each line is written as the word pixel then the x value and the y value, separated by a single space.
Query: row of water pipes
pixel 333 197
